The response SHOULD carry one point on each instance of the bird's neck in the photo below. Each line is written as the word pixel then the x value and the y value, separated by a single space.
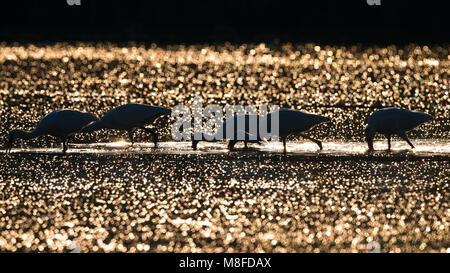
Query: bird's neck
pixel 27 135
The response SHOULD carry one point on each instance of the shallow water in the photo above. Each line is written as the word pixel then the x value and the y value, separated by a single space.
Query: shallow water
pixel 223 202
pixel 424 148
pixel 106 196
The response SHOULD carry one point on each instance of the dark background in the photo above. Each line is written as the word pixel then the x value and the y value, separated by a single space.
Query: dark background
pixel 193 21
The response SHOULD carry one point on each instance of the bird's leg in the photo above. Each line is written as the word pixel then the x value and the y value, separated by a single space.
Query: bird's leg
pixel 284 145
pixel 318 142
pixel 388 136
pixel 245 145
pixel 154 134
pixel 402 134
pixel 64 144
pixel 231 144
pixel 131 137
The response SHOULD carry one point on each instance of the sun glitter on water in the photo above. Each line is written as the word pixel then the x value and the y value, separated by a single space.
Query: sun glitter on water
pixel 120 144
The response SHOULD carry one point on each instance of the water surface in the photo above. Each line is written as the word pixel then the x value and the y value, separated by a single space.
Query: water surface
pixel 106 196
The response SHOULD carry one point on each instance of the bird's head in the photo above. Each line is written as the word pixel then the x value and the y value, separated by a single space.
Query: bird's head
pixel 370 134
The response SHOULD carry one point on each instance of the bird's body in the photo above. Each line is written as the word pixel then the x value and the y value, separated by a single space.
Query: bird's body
pixel 60 123
pixel 293 121
pixel 129 117
pixel 238 133
pixel 290 122
pixel 392 121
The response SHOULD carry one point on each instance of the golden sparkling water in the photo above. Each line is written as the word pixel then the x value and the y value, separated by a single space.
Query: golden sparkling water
pixel 233 202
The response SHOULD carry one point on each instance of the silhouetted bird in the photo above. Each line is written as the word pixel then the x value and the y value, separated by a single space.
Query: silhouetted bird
pixel 290 122
pixel 60 123
pixel 391 121
pixel 221 133
pixel 128 117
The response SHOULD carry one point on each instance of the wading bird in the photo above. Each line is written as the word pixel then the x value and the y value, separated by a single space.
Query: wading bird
pixel 221 133
pixel 391 121
pixel 60 123
pixel 290 122
pixel 128 117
